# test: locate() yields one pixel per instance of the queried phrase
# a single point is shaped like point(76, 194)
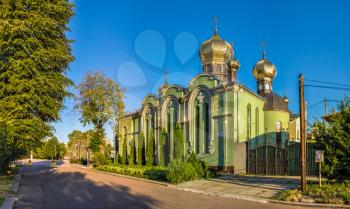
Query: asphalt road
point(69, 187)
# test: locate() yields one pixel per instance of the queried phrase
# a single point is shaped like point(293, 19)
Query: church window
point(278, 133)
point(206, 118)
point(125, 132)
point(197, 128)
point(256, 122)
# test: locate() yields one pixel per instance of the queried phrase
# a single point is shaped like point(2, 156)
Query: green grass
point(5, 183)
point(330, 192)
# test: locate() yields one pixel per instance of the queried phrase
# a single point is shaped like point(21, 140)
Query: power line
point(330, 87)
point(326, 82)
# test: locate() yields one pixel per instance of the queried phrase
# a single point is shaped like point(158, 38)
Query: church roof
point(275, 102)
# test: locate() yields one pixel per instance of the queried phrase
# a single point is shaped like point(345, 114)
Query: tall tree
point(125, 152)
point(150, 149)
point(333, 136)
point(78, 144)
point(140, 150)
point(162, 148)
point(34, 57)
point(132, 152)
point(178, 143)
point(100, 99)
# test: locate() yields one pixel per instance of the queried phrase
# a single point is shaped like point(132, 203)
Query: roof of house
point(275, 102)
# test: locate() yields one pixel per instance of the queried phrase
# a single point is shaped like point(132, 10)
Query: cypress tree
point(162, 147)
point(140, 149)
point(124, 153)
point(132, 152)
point(178, 143)
point(150, 149)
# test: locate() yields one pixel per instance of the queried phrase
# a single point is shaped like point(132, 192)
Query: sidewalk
point(251, 186)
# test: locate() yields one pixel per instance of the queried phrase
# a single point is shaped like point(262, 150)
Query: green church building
point(231, 127)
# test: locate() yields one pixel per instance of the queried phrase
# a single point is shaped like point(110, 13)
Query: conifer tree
point(178, 143)
point(34, 57)
point(150, 149)
point(162, 148)
point(140, 149)
point(124, 153)
point(132, 152)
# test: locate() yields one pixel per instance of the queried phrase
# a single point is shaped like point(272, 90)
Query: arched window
point(125, 132)
point(197, 128)
point(278, 133)
point(249, 121)
point(256, 122)
point(206, 128)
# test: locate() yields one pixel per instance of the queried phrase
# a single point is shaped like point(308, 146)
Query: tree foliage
point(78, 144)
point(150, 149)
point(333, 137)
point(34, 57)
point(140, 150)
point(51, 149)
point(132, 152)
point(178, 143)
point(124, 152)
point(162, 148)
point(100, 99)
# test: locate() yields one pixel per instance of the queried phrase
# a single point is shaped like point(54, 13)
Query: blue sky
point(134, 41)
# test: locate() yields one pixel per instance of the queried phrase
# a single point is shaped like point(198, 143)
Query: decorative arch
point(200, 120)
point(147, 120)
point(170, 116)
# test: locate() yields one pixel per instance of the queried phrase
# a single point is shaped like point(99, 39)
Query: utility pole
point(325, 106)
point(302, 132)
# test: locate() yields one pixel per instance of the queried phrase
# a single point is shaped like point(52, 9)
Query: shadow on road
point(51, 188)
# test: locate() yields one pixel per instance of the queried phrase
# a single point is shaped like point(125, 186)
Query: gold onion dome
point(215, 50)
point(264, 70)
point(233, 63)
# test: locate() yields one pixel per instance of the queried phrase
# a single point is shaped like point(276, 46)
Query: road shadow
point(49, 188)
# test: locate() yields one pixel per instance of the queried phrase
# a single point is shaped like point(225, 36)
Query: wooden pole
point(302, 132)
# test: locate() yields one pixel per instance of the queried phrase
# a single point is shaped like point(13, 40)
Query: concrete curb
point(124, 176)
point(9, 202)
point(17, 180)
point(11, 199)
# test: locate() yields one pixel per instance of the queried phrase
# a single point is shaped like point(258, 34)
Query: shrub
point(124, 152)
point(101, 159)
point(153, 173)
point(150, 149)
point(178, 143)
point(180, 171)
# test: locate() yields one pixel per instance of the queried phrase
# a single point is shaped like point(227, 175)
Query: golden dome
point(264, 70)
point(215, 50)
point(233, 63)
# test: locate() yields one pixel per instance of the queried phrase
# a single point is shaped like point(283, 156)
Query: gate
point(294, 159)
point(267, 159)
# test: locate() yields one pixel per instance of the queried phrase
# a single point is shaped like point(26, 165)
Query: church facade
point(223, 122)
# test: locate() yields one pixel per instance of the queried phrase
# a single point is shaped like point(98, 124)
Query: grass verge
point(330, 192)
point(5, 183)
